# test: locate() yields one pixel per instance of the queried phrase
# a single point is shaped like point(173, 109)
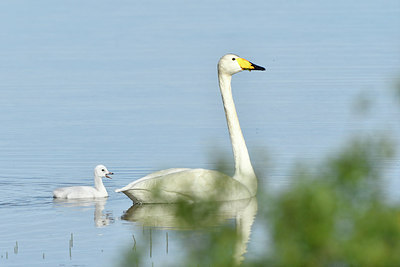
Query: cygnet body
point(76, 192)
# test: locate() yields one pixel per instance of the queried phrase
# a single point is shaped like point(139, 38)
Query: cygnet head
point(231, 64)
point(101, 171)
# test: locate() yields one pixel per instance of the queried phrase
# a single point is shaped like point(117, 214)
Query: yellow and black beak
point(247, 65)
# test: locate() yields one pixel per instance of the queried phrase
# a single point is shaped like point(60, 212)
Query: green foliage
point(215, 248)
point(303, 226)
point(375, 239)
point(337, 215)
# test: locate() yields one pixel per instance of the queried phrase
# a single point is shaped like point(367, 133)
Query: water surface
point(134, 86)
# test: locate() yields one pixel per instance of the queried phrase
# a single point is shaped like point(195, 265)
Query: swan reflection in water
point(168, 216)
point(101, 218)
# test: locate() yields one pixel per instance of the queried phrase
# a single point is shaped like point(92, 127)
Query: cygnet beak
point(110, 173)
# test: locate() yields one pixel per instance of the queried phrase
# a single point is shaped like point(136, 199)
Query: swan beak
point(110, 173)
point(247, 65)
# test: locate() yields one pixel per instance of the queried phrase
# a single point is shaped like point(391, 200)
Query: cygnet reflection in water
point(100, 217)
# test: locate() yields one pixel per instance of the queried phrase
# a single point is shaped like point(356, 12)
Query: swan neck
point(98, 183)
point(243, 169)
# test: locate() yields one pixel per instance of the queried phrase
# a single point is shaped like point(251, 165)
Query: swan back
point(192, 185)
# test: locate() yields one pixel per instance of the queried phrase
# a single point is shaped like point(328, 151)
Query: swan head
point(231, 64)
point(101, 171)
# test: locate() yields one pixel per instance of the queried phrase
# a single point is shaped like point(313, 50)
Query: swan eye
point(102, 170)
point(233, 59)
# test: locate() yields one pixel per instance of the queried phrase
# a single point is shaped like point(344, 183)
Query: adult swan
point(179, 184)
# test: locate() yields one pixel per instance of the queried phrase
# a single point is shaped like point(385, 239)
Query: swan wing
point(174, 185)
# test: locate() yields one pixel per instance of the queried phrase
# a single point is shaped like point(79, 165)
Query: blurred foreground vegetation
point(333, 214)
point(337, 214)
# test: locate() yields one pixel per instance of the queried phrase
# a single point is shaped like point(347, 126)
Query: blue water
point(133, 85)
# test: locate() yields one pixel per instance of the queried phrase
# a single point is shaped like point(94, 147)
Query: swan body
point(192, 185)
point(173, 185)
point(77, 192)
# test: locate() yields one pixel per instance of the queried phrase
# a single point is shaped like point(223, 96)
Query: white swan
point(173, 185)
point(75, 192)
